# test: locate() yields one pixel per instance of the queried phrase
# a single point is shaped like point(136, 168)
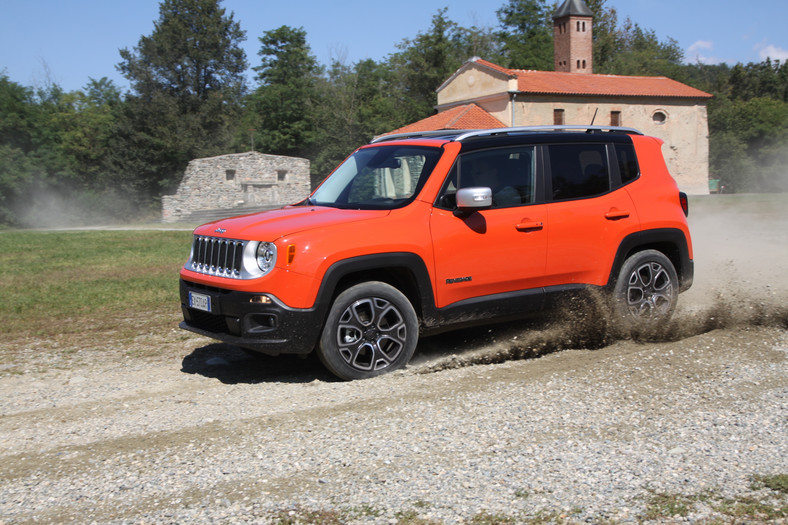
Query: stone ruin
point(238, 183)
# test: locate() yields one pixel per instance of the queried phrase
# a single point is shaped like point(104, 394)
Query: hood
point(273, 224)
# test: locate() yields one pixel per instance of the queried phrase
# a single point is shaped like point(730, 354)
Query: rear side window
point(578, 170)
point(627, 162)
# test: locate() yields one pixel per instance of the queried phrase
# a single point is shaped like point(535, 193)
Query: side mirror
point(469, 199)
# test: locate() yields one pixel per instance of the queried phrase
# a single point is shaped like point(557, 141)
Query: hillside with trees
point(100, 154)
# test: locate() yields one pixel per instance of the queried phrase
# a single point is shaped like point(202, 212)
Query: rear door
point(589, 213)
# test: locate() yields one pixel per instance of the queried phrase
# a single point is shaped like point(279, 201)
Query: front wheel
point(647, 290)
point(371, 329)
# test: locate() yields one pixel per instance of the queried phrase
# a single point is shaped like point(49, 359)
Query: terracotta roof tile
point(557, 83)
point(469, 116)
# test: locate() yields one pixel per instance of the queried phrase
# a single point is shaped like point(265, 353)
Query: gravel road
point(519, 423)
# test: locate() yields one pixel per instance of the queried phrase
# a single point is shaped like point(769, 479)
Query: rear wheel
point(647, 290)
point(371, 329)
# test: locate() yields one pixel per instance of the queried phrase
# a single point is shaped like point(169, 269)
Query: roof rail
point(458, 135)
point(417, 134)
point(523, 129)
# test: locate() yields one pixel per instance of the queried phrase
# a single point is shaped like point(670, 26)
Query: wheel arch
point(669, 241)
point(405, 271)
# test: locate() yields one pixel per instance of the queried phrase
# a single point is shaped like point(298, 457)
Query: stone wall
point(238, 180)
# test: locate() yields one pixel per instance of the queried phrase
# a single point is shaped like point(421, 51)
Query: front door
point(497, 250)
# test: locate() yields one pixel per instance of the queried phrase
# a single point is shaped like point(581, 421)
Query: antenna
point(590, 128)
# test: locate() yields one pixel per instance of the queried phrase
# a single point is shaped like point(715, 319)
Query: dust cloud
point(52, 208)
point(741, 280)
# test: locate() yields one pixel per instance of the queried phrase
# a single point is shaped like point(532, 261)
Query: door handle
point(615, 214)
point(529, 226)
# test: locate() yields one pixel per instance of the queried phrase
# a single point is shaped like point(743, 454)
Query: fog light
point(260, 299)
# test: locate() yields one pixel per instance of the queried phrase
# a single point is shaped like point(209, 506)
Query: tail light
point(684, 203)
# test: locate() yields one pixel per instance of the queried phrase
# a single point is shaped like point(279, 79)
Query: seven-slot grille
point(216, 256)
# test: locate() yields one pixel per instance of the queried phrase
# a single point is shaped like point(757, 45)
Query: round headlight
point(266, 256)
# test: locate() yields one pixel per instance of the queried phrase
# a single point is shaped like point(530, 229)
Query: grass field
point(73, 283)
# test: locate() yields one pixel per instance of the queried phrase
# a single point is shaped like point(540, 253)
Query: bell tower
point(572, 37)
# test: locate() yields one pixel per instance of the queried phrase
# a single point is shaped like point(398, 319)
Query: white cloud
point(773, 52)
point(699, 53)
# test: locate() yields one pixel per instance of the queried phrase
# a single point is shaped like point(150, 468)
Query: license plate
point(200, 301)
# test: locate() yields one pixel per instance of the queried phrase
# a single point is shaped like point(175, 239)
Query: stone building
point(573, 94)
point(231, 184)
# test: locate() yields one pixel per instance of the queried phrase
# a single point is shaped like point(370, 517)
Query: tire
point(646, 291)
point(371, 329)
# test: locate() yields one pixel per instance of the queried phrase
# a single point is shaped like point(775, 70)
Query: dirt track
point(202, 432)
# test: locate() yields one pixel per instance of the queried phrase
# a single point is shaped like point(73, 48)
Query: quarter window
point(627, 162)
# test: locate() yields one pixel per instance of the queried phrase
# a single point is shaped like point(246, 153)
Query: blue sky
point(70, 41)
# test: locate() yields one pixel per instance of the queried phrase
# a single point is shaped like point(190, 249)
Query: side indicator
point(291, 252)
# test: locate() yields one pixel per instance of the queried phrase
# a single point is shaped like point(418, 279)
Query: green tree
point(526, 34)
point(423, 64)
point(357, 104)
point(747, 150)
point(281, 109)
point(606, 38)
point(187, 80)
point(764, 79)
point(640, 52)
point(18, 121)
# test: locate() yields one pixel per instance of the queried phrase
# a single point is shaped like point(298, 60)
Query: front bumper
point(238, 318)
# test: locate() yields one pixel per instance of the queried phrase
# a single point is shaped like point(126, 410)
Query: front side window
point(578, 170)
point(508, 172)
point(381, 177)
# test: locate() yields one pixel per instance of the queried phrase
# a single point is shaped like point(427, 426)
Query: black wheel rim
point(371, 334)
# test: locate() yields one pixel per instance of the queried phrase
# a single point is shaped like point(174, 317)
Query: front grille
point(217, 256)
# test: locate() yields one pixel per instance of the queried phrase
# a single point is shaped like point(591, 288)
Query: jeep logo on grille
point(219, 230)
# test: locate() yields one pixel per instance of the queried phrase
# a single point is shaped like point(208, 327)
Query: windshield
point(382, 177)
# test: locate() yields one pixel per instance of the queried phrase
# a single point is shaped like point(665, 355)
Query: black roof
point(573, 8)
point(463, 135)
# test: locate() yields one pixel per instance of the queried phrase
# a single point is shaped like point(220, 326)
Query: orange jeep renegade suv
point(415, 234)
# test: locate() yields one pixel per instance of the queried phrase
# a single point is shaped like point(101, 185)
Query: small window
point(659, 117)
point(578, 26)
point(229, 175)
point(281, 175)
point(627, 162)
point(584, 27)
point(558, 117)
point(615, 118)
point(578, 170)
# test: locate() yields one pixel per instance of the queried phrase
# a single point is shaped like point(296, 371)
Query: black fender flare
point(391, 267)
point(670, 241)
